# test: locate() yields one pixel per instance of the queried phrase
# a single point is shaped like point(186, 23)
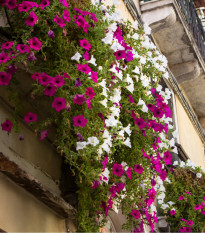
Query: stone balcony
point(180, 37)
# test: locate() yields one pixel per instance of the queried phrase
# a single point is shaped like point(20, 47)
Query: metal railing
point(194, 22)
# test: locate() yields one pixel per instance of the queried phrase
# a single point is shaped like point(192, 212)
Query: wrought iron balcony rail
point(193, 20)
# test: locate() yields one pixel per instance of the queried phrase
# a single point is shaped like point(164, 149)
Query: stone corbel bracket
point(33, 186)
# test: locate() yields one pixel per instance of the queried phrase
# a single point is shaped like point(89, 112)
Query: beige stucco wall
point(189, 139)
point(123, 9)
point(21, 212)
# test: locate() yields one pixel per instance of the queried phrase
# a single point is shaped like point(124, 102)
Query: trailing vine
point(100, 78)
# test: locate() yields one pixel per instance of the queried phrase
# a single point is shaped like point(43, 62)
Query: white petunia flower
point(127, 143)
point(135, 24)
point(93, 141)
point(198, 175)
point(104, 102)
point(76, 57)
point(171, 203)
point(136, 70)
point(81, 145)
point(128, 130)
point(92, 60)
point(147, 29)
point(111, 121)
point(103, 83)
point(106, 175)
point(135, 36)
point(164, 206)
point(175, 163)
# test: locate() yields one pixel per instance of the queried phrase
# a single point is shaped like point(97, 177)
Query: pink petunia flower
point(22, 48)
point(32, 19)
point(129, 173)
point(140, 123)
point(64, 3)
point(44, 4)
point(59, 104)
point(4, 58)
point(7, 126)
point(11, 4)
point(84, 68)
point(7, 45)
point(131, 99)
point(66, 16)
point(59, 21)
point(117, 170)
point(89, 104)
point(86, 56)
point(189, 223)
point(138, 168)
point(172, 212)
point(90, 92)
point(5, 78)
point(135, 213)
point(181, 198)
point(44, 79)
point(26, 6)
point(58, 81)
point(198, 207)
point(30, 117)
point(167, 158)
point(120, 54)
point(96, 184)
point(79, 99)
point(80, 121)
point(50, 90)
point(94, 76)
point(35, 43)
point(44, 134)
point(85, 44)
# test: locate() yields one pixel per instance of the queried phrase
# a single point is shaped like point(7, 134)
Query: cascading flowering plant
point(186, 190)
point(111, 115)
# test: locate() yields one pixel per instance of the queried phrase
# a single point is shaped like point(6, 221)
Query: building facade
point(38, 193)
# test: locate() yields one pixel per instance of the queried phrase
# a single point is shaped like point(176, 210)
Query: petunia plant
point(184, 205)
point(100, 77)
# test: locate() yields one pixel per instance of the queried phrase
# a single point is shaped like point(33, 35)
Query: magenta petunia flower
point(51, 34)
point(86, 56)
point(12, 69)
point(50, 90)
point(172, 212)
point(59, 21)
point(90, 92)
point(44, 4)
point(64, 3)
point(140, 123)
point(79, 99)
point(7, 45)
point(182, 229)
point(36, 76)
point(35, 43)
point(120, 187)
point(7, 126)
point(58, 81)
point(59, 104)
point(189, 223)
point(31, 57)
point(77, 82)
point(113, 191)
point(44, 79)
point(181, 198)
point(120, 54)
point(163, 175)
point(80, 121)
point(138, 168)
point(22, 48)
point(66, 16)
point(79, 20)
point(85, 44)
point(131, 99)
point(96, 184)
point(188, 192)
point(66, 76)
point(30, 117)
point(26, 6)
point(44, 134)
point(32, 19)
point(11, 4)
point(135, 214)
point(203, 212)
point(4, 58)
point(89, 104)
point(94, 76)
point(117, 170)
point(152, 194)
point(158, 112)
point(198, 207)
point(5, 78)
point(84, 68)
point(129, 173)
point(167, 158)
point(188, 229)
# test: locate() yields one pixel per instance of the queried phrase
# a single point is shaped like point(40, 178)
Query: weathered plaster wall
point(21, 212)
point(189, 139)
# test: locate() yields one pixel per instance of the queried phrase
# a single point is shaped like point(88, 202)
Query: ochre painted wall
point(189, 139)
point(21, 212)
